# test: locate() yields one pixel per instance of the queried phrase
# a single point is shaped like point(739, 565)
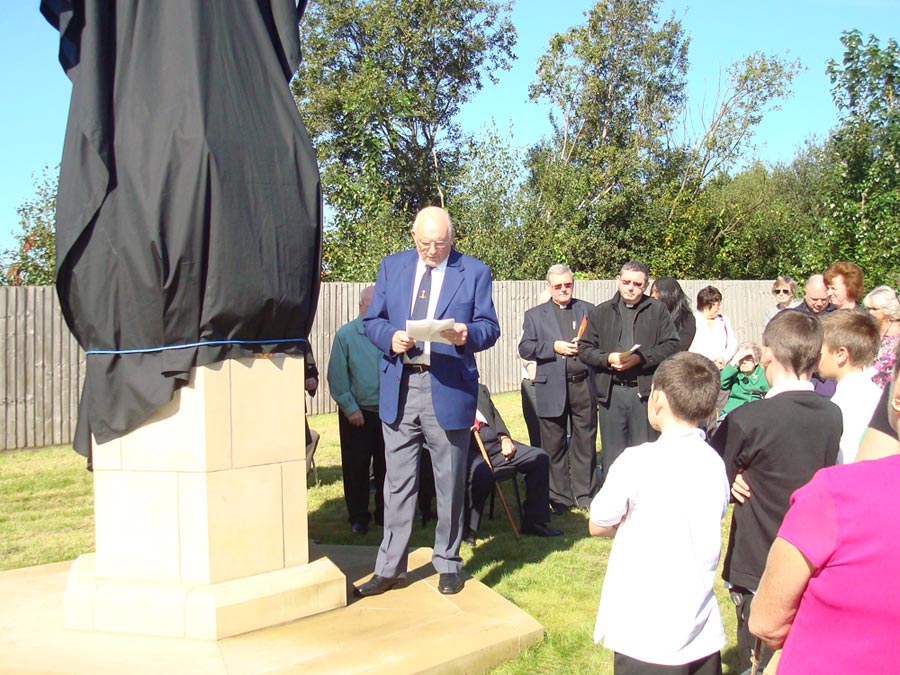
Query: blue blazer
point(466, 298)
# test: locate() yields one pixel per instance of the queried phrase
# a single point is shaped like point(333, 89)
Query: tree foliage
point(379, 87)
point(861, 219)
point(615, 86)
point(33, 260)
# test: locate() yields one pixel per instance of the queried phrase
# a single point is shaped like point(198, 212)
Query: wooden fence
point(42, 368)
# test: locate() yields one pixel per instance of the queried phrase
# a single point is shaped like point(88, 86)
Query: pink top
point(846, 522)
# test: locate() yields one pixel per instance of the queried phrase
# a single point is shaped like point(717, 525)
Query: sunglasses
point(559, 287)
point(636, 284)
point(781, 291)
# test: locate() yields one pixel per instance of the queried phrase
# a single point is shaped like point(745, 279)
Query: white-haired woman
point(883, 305)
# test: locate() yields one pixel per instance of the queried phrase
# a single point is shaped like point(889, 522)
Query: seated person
point(743, 378)
point(506, 457)
point(664, 502)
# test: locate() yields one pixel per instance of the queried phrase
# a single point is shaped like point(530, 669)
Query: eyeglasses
point(438, 245)
point(559, 287)
point(781, 291)
point(636, 284)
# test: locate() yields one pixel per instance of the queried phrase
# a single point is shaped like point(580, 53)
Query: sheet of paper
point(429, 329)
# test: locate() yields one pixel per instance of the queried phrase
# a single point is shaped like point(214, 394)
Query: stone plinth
point(201, 514)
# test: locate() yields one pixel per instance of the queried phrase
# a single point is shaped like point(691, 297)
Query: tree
point(379, 87)
point(620, 177)
point(616, 86)
point(861, 220)
point(33, 261)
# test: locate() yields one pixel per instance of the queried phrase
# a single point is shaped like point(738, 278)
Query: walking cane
point(487, 461)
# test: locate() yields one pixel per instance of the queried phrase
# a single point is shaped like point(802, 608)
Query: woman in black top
point(668, 291)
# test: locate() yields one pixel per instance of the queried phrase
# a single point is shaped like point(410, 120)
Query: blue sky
point(36, 91)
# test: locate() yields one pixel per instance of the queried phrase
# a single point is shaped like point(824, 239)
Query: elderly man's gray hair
point(559, 269)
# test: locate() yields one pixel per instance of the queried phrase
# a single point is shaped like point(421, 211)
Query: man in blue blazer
point(428, 390)
point(564, 391)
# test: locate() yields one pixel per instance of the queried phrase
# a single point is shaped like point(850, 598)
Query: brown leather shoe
point(378, 585)
point(450, 583)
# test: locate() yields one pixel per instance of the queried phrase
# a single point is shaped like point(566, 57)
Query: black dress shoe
point(450, 583)
point(541, 530)
point(359, 528)
point(378, 585)
point(558, 509)
point(470, 537)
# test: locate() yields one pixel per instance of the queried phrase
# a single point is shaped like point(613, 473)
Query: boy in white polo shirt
point(664, 502)
point(849, 347)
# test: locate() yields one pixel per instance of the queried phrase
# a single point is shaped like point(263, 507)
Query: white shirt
point(790, 385)
point(857, 396)
point(437, 281)
point(657, 603)
point(714, 342)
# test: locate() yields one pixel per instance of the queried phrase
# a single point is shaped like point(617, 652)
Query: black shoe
point(450, 583)
point(378, 585)
point(541, 530)
point(470, 538)
point(558, 509)
point(359, 528)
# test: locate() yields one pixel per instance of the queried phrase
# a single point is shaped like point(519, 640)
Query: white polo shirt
point(657, 604)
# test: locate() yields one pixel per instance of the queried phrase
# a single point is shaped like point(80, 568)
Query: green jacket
point(743, 388)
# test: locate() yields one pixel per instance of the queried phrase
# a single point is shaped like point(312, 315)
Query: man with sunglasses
point(626, 338)
point(563, 388)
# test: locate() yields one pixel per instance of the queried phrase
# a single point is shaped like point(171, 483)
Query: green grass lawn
point(46, 515)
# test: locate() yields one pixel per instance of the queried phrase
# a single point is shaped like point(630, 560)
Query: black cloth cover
point(189, 208)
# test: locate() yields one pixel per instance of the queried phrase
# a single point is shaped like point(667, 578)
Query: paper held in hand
point(629, 352)
point(424, 330)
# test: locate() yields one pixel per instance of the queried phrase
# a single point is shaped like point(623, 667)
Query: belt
point(577, 377)
point(417, 367)
point(625, 383)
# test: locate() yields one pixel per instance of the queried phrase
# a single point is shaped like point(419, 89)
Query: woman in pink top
point(830, 594)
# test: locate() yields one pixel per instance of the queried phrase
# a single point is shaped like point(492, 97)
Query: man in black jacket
point(626, 338)
point(506, 457)
point(563, 389)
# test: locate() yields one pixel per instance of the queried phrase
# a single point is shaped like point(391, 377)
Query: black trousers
point(573, 464)
point(708, 665)
point(529, 412)
point(361, 446)
point(533, 463)
point(623, 423)
point(743, 599)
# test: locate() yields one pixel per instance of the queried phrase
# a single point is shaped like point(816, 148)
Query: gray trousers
point(416, 426)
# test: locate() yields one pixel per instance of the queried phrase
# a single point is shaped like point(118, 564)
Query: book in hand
point(630, 351)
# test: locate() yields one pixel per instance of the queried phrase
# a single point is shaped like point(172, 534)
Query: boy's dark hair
point(691, 383)
point(795, 339)
point(854, 331)
point(707, 297)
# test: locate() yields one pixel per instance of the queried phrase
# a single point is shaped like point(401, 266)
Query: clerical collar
point(566, 306)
